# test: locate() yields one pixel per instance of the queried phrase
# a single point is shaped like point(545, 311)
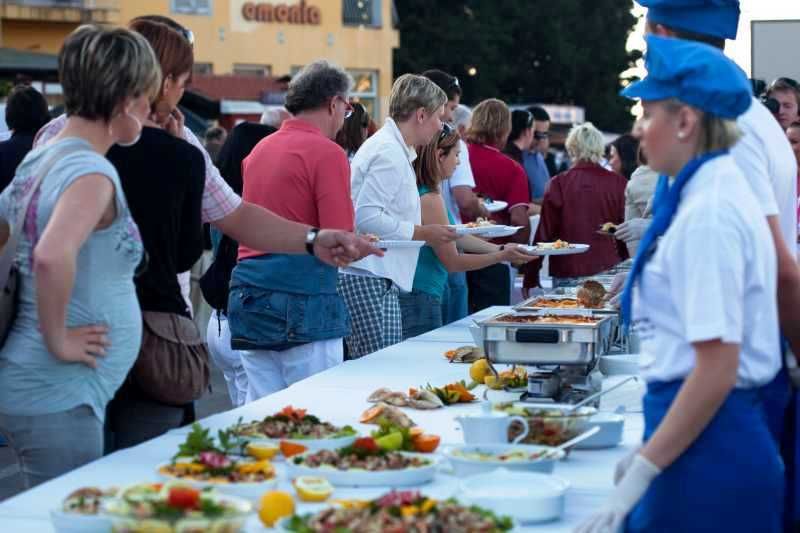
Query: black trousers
point(489, 286)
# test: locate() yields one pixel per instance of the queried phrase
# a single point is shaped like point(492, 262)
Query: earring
point(681, 135)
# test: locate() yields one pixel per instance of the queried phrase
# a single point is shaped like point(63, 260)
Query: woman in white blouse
point(705, 282)
point(386, 202)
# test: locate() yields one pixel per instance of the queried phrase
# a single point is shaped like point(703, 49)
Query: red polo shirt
point(499, 177)
point(301, 175)
point(575, 205)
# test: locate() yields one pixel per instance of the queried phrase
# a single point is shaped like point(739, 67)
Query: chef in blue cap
point(702, 297)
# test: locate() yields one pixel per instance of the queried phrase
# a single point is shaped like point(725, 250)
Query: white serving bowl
point(610, 434)
point(356, 477)
point(249, 491)
point(79, 523)
point(525, 496)
point(464, 466)
point(620, 364)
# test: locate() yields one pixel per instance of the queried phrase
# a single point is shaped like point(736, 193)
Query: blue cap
point(694, 73)
point(718, 18)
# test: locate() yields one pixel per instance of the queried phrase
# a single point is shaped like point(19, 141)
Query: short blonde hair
point(411, 92)
point(585, 143)
point(491, 123)
point(99, 68)
point(716, 133)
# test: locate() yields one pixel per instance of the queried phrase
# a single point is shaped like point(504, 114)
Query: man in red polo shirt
point(284, 311)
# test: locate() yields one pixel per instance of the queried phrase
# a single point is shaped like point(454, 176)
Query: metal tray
point(546, 344)
point(527, 307)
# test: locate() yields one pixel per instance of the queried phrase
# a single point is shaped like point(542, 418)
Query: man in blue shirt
point(535, 166)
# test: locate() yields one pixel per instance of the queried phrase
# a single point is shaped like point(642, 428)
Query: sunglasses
point(539, 135)
point(188, 35)
point(447, 130)
point(788, 81)
point(455, 83)
point(529, 120)
point(348, 112)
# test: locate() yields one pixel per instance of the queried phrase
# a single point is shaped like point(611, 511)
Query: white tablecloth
point(339, 395)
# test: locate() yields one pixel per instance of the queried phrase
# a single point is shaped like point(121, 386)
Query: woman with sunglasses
point(355, 130)
point(421, 308)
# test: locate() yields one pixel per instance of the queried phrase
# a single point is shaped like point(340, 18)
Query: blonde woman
point(386, 202)
point(577, 203)
point(78, 326)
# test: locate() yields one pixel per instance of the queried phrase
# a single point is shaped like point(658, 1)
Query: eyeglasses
point(348, 109)
point(447, 130)
point(539, 135)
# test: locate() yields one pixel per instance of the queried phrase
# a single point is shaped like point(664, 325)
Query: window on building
point(191, 7)
point(365, 90)
point(204, 69)
point(362, 13)
point(248, 69)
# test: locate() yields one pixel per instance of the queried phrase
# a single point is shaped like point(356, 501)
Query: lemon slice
point(313, 489)
point(262, 450)
point(275, 505)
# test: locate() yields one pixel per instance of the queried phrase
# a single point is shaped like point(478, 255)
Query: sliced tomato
point(184, 498)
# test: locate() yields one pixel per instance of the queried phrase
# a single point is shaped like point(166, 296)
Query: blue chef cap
point(718, 18)
point(694, 73)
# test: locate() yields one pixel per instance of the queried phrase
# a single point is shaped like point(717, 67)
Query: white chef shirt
point(462, 177)
point(713, 276)
point(386, 202)
point(765, 157)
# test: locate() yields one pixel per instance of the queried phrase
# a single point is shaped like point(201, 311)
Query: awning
point(34, 64)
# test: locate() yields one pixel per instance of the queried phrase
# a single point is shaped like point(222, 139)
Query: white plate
point(495, 205)
point(619, 365)
point(250, 491)
point(463, 466)
point(502, 231)
point(572, 250)
point(312, 444)
point(524, 496)
point(79, 523)
point(388, 245)
point(363, 478)
point(463, 229)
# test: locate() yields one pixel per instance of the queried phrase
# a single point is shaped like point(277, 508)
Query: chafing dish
point(546, 338)
point(558, 302)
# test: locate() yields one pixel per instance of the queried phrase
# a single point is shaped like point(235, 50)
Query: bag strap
point(10, 249)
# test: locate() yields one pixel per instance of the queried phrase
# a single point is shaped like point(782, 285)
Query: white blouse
point(713, 276)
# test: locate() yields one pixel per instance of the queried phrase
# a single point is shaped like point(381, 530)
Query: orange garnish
point(426, 443)
point(291, 412)
point(371, 414)
point(289, 449)
point(415, 432)
point(463, 394)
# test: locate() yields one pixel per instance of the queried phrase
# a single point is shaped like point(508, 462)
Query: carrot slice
point(289, 449)
point(371, 414)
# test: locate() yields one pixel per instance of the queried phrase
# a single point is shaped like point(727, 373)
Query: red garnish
point(291, 412)
point(366, 444)
point(183, 498)
point(214, 460)
point(399, 498)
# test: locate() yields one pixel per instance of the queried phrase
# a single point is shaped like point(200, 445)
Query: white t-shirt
point(766, 159)
point(713, 276)
point(462, 177)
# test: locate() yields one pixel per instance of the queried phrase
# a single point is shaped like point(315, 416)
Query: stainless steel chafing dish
point(536, 344)
point(530, 305)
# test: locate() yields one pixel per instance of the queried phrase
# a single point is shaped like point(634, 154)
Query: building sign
point(299, 13)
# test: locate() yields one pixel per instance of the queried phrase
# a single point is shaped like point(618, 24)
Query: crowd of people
point(103, 353)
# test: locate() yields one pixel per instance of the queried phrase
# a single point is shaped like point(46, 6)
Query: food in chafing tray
point(554, 303)
point(547, 319)
point(401, 511)
point(591, 294)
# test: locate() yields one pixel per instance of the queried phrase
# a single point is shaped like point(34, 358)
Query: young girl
point(421, 308)
point(706, 311)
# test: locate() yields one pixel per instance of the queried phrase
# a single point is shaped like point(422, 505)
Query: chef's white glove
point(625, 464)
point(632, 230)
point(629, 491)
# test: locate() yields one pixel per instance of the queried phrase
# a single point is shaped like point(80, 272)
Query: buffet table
point(339, 395)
